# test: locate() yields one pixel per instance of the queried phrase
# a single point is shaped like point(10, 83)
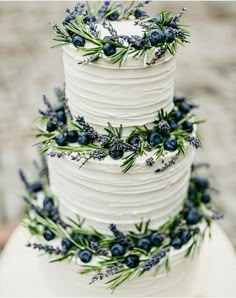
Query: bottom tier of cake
point(181, 274)
point(23, 274)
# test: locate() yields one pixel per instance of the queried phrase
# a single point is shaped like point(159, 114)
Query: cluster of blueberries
point(183, 109)
point(153, 38)
point(68, 136)
point(201, 186)
point(160, 134)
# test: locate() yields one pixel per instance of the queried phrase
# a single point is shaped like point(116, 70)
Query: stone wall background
point(29, 68)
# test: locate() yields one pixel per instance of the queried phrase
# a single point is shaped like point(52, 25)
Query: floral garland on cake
point(65, 136)
point(118, 256)
point(160, 34)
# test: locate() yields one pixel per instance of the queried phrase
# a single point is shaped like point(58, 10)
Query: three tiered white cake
point(120, 156)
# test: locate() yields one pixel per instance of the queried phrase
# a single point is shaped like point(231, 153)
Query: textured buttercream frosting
point(129, 95)
point(101, 194)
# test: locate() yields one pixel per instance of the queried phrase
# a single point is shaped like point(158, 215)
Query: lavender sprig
point(108, 272)
point(87, 127)
point(113, 32)
point(169, 163)
point(99, 251)
point(103, 9)
point(159, 52)
point(47, 248)
point(194, 142)
point(121, 237)
point(155, 259)
point(177, 17)
point(93, 27)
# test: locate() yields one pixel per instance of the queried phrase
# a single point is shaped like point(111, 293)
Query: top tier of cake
point(129, 95)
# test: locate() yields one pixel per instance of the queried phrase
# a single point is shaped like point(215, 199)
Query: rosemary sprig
point(114, 132)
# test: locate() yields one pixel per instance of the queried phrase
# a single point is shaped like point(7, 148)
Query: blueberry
point(61, 116)
point(114, 16)
point(117, 250)
point(132, 261)
point(206, 198)
point(156, 36)
point(179, 99)
point(177, 116)
point(61, 140)
point(115, 152)
point(48, 235)
point(170, 36)
point(134, 140)
point(51, 126)
point(187, 126)
point(173, 125)
point(66, 244)
point(201, 183)
point(155, 138)
point(35, 187)
point(172, 24)
point(60, 108)
point(72, 136)
point(84, 138)
point(109, 49)
point(67, 20)
point(156, 239)
point(89, 18)
point(78, 41)
point(144, 243)
point(85, 255)
point(170, 144)
point(48, 204)
point(185, 236)
point(138, 13)
point(176, 243)
point(192, 217)
point(184, 107)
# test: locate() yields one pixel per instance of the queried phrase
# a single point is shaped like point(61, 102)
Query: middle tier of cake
point(101, 194)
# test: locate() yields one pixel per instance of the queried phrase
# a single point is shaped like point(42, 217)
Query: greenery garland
point(161, 33)
point(61, 134)
point(119, 256)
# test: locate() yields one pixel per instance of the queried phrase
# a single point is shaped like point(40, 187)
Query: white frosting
point(131, 95)
point(101, 194)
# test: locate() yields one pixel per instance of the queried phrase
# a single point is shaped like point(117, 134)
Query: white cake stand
point(20, 275)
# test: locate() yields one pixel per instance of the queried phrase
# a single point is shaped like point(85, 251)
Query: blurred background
point(206, 71)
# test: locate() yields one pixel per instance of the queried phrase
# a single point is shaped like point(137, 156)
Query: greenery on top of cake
point(62, 135)
point(116, 256)
point(160, 33)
